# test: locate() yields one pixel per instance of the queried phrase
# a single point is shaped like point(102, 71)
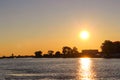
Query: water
point(59, 69)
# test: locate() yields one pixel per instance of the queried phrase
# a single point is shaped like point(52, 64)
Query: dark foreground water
point(59, 69)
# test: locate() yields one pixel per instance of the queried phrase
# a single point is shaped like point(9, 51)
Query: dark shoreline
point(60, 57)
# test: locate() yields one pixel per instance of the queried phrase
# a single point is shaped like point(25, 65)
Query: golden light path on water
point(85, 70)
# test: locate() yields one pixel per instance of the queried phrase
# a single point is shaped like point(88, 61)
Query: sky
point(30, 25)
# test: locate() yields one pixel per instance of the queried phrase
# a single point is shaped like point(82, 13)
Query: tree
point(110, 49)
point(75, 52)
point(50, 53)
point(38, 54)
point(116, 46)
point(66, 51)
point(58, 54)
point(107, 47)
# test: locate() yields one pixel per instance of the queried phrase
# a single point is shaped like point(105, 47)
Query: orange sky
point(27, 26)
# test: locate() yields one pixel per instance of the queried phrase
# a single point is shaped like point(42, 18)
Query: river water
point(59, 69)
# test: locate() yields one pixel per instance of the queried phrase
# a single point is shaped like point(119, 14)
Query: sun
point(84, 35)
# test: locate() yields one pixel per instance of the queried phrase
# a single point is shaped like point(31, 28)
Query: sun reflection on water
point(85, 71)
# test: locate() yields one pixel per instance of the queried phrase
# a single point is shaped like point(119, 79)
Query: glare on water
point(85, 70)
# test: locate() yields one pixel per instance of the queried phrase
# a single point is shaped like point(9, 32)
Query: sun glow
point(84, 35)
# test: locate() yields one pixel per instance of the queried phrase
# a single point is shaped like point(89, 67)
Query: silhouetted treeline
point(68, 52)
point(109, 50)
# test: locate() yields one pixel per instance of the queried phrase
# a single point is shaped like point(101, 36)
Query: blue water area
point(59, 69)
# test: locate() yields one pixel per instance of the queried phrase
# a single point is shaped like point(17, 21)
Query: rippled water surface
point(59, 69)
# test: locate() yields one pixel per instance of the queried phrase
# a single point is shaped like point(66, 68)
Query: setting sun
point(84, 35)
